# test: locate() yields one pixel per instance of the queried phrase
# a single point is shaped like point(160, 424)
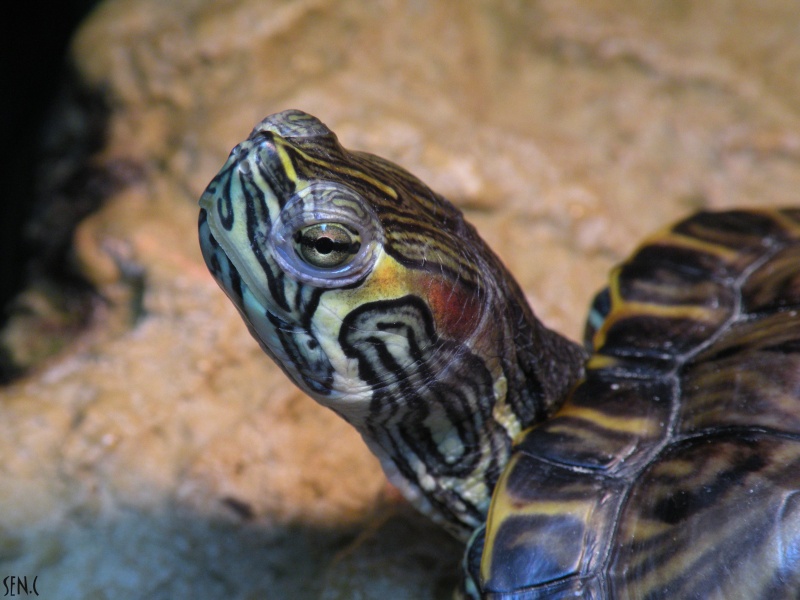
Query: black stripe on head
point(431, 401)
point(224, 200)
point(304, 355)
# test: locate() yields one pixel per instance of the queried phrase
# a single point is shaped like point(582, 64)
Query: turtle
point(660, 458)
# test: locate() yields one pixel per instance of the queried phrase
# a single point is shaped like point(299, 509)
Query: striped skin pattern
point(673, 470)
point(378, 300)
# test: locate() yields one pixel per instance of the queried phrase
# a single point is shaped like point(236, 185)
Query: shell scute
point(749, 378)
point(775, 285)
point(685, 431)
point(603, 436)
point(726, 499)
point(570, 522)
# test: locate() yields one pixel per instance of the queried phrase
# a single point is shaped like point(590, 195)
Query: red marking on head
point(455, 310)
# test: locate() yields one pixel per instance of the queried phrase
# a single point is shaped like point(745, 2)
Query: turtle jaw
point(295, 349)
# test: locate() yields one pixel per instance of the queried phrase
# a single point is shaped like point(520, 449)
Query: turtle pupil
point(323, 245)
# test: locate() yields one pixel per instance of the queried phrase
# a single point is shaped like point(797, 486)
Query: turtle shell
point(673, 469)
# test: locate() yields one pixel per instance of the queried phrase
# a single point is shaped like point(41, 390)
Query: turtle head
point(377, 299)
point(305, 237)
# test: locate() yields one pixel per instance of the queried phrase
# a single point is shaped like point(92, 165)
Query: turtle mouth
point(256, 308)
point(225, 266)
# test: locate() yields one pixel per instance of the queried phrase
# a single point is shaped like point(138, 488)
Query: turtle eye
point(326, 235)
point(326, 245)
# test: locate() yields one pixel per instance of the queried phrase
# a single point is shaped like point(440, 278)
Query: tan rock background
point(160, 454)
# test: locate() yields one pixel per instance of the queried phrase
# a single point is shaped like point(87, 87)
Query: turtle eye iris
point(326, 245)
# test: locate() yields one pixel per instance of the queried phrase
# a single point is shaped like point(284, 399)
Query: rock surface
point(160, 454)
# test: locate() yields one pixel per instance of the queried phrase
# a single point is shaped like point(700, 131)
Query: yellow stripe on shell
point(503, 507)
point(790, 226)
point(598, 362)
point(689, 242)
point(661, 311)
point(622, 309)
point(635, 426)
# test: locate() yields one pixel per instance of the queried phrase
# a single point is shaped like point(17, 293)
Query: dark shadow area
point(43, 144)
point(171, 552)
point(32, 66)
